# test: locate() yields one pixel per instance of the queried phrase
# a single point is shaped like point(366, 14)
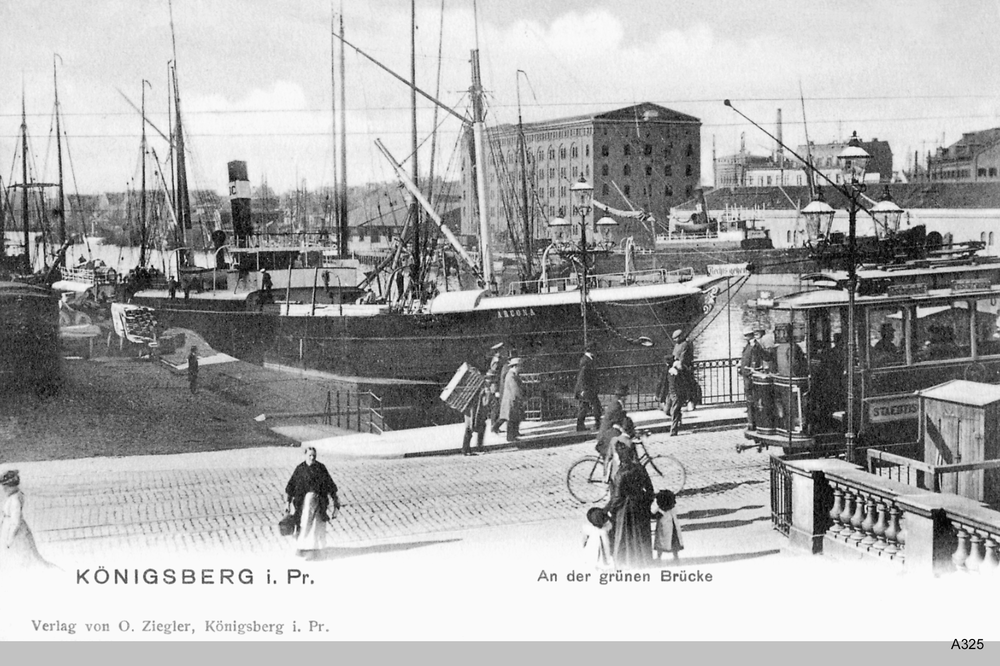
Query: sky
point(255, 76)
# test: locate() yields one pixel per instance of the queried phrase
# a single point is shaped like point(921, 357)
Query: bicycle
point(588, 484)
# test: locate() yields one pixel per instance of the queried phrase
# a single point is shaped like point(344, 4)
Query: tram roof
point(823, 298)
point(911, 271)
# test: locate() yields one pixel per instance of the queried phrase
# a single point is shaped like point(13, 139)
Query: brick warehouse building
point(650, 153)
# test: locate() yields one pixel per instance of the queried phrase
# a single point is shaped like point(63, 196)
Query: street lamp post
point(854, 162)
point(580, 200)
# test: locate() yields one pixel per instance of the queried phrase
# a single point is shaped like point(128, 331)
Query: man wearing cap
point(751, 360)
point(512, 400)
point(493, 386)
point(586, 392)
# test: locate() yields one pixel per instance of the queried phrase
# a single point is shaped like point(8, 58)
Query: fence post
point(357, 399)
point(339, 413)
point(328, 418)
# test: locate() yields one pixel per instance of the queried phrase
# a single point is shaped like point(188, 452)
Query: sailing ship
point(422, 335)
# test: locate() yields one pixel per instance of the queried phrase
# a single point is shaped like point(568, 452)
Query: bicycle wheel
point(667, 472)
point(585, 480)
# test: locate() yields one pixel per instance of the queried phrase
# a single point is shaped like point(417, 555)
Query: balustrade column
point(975, 559)
point(961, 549)
point(991, 560)
point(880, 527)
point(868, 524)
point(901, 538)
point(892, 532)
point(838, 508)
point(845, 516)
point(857, 519)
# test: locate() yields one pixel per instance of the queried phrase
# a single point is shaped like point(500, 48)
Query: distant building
point(649, 153)
point(975, 157)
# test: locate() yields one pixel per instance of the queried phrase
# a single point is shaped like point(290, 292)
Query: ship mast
point(415, 277)
point(62, 195)
point(524, 181)
point(24, 184)
point(342, 185)
point(142, 195)
point(478, 135)
point(183, 201)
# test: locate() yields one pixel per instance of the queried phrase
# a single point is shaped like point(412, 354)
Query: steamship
point(313, 319)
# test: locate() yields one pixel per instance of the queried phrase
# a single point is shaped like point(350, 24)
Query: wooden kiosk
point(960, 424)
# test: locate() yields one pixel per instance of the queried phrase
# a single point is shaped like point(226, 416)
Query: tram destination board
point(970, 284)
point(912, 289)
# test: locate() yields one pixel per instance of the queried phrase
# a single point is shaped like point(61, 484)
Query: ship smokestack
point(779, 155)
point(239, 201)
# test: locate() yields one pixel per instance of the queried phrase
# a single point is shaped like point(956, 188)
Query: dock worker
point(586, 392)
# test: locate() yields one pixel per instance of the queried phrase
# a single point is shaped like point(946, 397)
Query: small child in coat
point(667, 537)
point(597, 539)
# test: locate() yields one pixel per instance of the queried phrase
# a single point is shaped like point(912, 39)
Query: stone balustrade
point(837, 509)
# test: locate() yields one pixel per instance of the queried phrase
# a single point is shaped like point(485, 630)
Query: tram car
point(30, 357)
point(916, 326)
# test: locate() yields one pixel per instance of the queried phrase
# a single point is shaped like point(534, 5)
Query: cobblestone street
point(231, 500)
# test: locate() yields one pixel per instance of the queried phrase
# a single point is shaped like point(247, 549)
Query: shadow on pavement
point(698, 514)
point(722, 524)
point(337, 553)
point(717, 488)
point(716, 559)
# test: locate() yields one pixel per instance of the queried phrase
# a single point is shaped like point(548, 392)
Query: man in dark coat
point(475, 420)
point(751, 360)
point(586, 392)
point(193, 370)
point(494, 382)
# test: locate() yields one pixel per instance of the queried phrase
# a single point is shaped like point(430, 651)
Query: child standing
point(667, 537)
point(597, 539)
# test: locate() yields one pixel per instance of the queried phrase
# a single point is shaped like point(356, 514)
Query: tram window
point(942, 332)
point(988, 327)
point(886, 340)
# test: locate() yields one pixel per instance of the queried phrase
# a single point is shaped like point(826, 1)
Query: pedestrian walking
point(586, 392)
point(670, 396)
point(614, 416)
point(512, 400)
point(193, 370)
point(751, 360)
point(597, 540)
point(475, 421)
point(667, 536)
point(631, 499)
point(17, 543)
point(309, 493)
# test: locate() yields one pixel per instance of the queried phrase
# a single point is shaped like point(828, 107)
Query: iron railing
point(550, 394)
point(781, 496)
point(365, 409)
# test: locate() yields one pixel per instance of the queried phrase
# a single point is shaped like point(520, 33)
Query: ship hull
point(29, 336)
point(548, 336)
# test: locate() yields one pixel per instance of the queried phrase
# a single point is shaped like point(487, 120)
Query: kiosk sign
point(893, 408)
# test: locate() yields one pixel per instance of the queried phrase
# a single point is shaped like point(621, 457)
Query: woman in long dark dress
point(309, 492)
point(629, 507)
